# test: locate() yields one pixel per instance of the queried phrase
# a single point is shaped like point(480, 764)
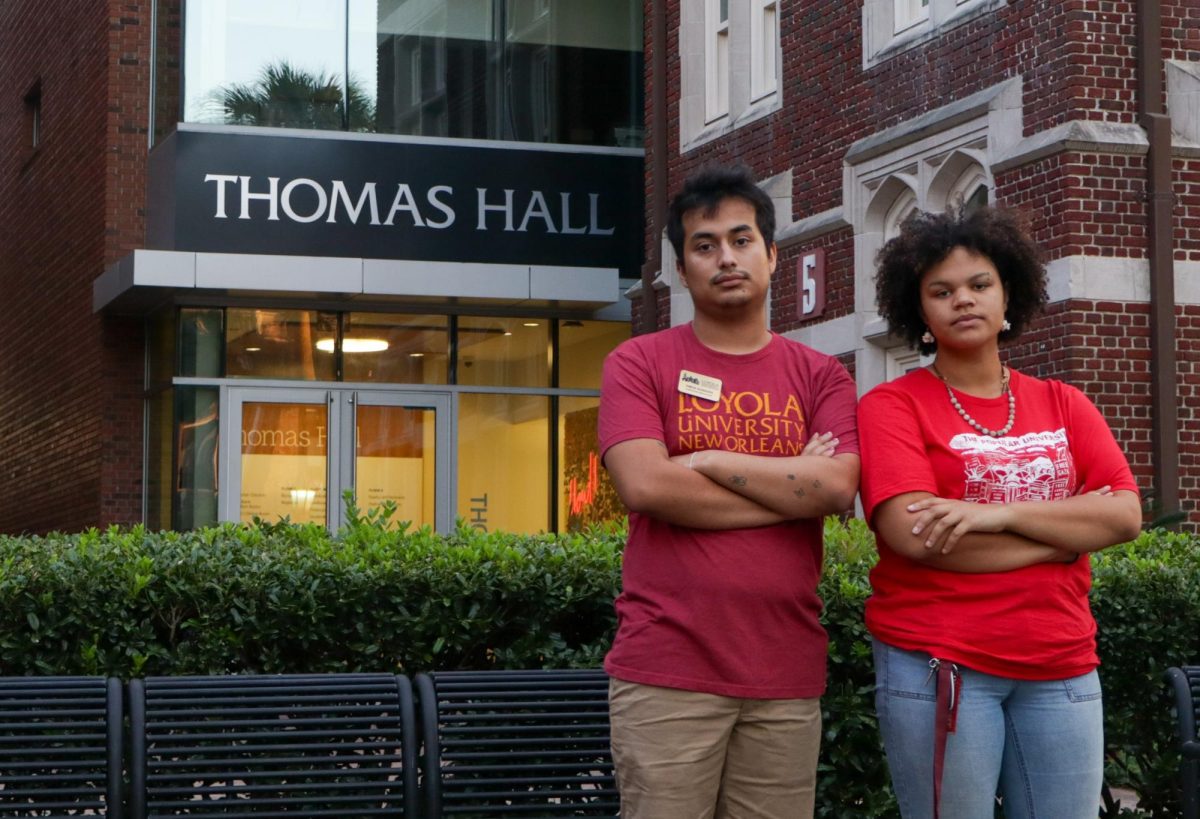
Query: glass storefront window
point(281, 344)
point(394, 454)
point(276, 63)
point(582, 346)
point(527, 460)
point(586, 496)
point(503, 352)
point(195, 457)
point(285, 448)
point(396, 349)
point(504, 462)
point(526, 70)
point(200, 342)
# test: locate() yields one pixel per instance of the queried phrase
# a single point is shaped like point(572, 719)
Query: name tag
point(701, 386)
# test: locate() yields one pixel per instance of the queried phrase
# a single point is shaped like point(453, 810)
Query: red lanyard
point(949, 682)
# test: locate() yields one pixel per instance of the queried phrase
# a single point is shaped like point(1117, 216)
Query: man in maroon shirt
point(728, 444)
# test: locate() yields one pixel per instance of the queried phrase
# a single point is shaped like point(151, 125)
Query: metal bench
point(60, 746)
point(533, 743)
point(1185, 685)
point(258, 746)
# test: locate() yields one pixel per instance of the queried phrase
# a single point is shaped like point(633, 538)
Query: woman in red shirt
point(986, 488)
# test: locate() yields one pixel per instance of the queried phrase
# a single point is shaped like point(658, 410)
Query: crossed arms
point(996, 537)
point(715, 489)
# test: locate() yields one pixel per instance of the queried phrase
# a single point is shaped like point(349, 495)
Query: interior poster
point(392, 450)
point(284, 460)
point(590, 495)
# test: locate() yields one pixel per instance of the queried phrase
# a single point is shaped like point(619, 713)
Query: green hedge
point(278, 599)
point(283, 598)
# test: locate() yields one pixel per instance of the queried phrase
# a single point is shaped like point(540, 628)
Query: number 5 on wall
point(810, 284)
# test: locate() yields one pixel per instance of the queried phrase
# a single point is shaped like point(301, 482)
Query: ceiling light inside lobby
point(354, 345)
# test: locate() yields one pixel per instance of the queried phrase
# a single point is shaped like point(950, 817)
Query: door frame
point(341, 404)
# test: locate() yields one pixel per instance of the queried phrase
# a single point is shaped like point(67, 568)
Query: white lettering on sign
point(306, 200)
point(341, 195)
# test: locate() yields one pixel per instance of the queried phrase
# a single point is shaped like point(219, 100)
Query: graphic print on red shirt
point(1034, 466)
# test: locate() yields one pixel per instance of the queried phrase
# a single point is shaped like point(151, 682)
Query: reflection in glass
point(509, 352)
point(200, 337)
point(504, 462)
point(278, 63)
point(582, 346)
point(526, 70)
point(512, 70)
point(394, 452)
point(280, 344)
point(586, 496)
point(396, 349)
point(196, 439)
point(284, 449)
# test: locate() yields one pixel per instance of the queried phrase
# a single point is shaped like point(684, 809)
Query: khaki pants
point(687, 755)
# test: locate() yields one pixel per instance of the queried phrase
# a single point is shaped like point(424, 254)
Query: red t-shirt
point(730, 612)
point(1032, 623)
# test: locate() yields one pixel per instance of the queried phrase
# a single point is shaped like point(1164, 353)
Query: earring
point(1005, 326)
point(927, 337)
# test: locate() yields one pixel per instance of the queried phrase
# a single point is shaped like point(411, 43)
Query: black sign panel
point(395, 199)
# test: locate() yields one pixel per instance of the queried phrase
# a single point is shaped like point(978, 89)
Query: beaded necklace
point(1004, 390)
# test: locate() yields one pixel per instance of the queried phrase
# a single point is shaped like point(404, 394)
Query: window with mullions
point(730, 66)
point(527, 398)
point(716, 59)
point(764, 47)
point(392, 348)
point(525, 70)
point(909, 13)
point(891, 27)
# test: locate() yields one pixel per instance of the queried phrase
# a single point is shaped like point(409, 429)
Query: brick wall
point(1082, 204)
point(70, 382)
point(126, 146)
point(1185, 184)
point(839, 280)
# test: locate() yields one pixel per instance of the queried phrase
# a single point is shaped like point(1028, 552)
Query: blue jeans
point(1039, 744)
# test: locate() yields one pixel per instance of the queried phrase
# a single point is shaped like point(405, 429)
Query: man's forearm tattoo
point(737, 480)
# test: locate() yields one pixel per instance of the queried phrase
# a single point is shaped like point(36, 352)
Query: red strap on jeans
point(948, 682)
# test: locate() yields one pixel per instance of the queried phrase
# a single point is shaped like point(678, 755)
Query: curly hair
point(706, 189)
point(927, 238)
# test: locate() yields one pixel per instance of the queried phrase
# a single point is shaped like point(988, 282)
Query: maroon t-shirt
point(1032, 623)
point(731, 612)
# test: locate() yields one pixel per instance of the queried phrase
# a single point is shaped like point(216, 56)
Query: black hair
point(706, 189)
point(928, 238)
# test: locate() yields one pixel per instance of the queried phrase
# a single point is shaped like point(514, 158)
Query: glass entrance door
point(293, 452)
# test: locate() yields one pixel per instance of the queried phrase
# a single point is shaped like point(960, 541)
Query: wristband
point(691, 460)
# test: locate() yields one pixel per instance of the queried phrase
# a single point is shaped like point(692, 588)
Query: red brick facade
point(1077, 62)
point(70, 381)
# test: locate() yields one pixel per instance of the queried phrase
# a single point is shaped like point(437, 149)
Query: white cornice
point(1095, 278)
